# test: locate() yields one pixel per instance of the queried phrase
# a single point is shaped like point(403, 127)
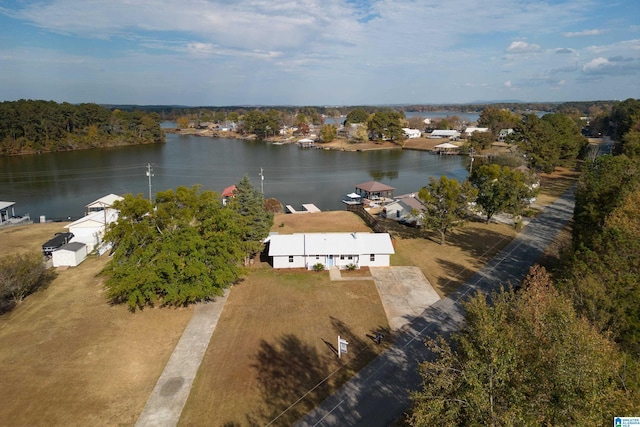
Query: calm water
point(59, 185)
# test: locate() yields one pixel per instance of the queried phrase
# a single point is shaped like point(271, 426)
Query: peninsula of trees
point(30, 127)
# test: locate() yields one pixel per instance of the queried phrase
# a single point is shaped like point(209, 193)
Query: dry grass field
point(276, 341)
point(69, 358)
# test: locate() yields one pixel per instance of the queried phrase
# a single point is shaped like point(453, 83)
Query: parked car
point(53, 244)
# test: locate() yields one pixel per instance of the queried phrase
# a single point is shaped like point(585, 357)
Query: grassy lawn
point(69, 358)
point(276, 341)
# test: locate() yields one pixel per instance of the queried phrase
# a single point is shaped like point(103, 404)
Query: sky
point(318, 52)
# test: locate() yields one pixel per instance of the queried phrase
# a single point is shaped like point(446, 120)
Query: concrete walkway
point(172, 389)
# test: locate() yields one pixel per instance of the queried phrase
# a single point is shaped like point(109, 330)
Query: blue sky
point(318, 52)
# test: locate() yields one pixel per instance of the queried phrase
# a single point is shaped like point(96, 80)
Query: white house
point(69, 255)
point(404, 208)
point(444, 133)
point(471, 129)
point(504, 133)
point(304, 250)
point(90, 228)
point(412, 133)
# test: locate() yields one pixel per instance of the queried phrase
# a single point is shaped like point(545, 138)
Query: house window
point(372, 257)
point(398, 214)
point(341, 257)
point(317, 256)
point(350, 257)
point(290, 258)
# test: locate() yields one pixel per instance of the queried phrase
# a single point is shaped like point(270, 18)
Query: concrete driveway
point(405, 293)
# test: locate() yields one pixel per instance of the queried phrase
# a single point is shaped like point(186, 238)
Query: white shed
point(69, 255)
point(304, 250)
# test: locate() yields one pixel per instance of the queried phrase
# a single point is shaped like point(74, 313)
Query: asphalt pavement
point(379, 394)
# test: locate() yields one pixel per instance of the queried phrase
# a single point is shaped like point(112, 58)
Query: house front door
point(330, 261)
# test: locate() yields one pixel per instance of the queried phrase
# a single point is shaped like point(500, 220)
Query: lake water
point(59, 185)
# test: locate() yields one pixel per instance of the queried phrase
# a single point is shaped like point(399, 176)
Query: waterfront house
point(227, 193)
point(471, 129)
point(406, 208)
point(412, 133)
point(305, 250)
point(503, 134)
point(445, 133)
point(90, 228)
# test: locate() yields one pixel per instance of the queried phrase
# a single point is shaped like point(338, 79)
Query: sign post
point(342, 346)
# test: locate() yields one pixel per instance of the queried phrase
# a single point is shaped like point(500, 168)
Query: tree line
point(564, 349)
point(28, 127)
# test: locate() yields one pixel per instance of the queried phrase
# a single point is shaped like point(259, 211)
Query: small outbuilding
point(69, 255)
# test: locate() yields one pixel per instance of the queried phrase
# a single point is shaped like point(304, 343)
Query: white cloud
point(508, 84)
point(522, 47)
point(612, 66)
point(583, 33)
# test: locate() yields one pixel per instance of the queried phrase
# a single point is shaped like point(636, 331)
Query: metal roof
point(373, 186)
point(330, 244)
point(5, 205)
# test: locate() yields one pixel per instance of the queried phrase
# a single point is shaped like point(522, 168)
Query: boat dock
point(308, 208)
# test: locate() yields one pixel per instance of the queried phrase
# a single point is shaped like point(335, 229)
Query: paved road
point(379, 394)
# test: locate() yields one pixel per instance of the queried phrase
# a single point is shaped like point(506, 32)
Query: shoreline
point(339, 144)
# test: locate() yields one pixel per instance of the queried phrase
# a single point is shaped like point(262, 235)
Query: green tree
point(361, 133)
point(550, 141)
point(357, 115)
point(328, 133)
point(604, 183)
point(496, 119)
point(386, 125)
point(481, 140)
point(447, 203)
point(184, 249)
point(603, 278)
point(254, 220)
point(182, 122)
point(631, 142)
point(527, 359)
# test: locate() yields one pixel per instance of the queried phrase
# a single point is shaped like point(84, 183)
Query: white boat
point(352, 199)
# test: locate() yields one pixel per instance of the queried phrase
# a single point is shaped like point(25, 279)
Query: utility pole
point(262, 182)
point(150, 174)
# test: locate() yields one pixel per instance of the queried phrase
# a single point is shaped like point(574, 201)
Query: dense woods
point(28, 127)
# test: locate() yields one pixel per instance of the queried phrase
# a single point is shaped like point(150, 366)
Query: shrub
point(351, 267)
point(318, 267)
point(21, 275)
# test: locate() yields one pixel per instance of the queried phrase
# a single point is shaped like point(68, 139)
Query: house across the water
point(305, 250)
